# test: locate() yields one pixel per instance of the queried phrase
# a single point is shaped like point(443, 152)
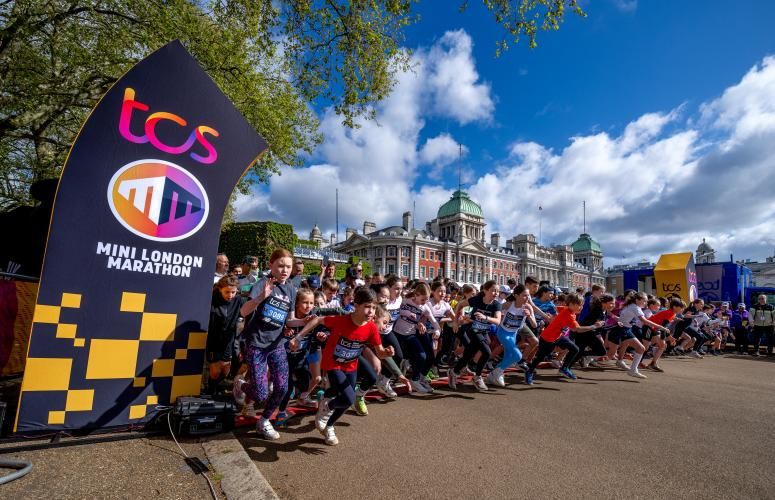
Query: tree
point(272, 59)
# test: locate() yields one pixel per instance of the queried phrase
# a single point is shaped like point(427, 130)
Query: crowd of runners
point(325, 344)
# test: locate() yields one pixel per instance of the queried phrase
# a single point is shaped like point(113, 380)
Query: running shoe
point(417, 386)
point(239, 394)
point(427, 385)
point(452, 379)
point(636, 374)
point(585, 360)
point(360, 406)
point(679, 349)
point(556, 363)
point(567, 373)
point(324, 413)
point(305, 401)
point(330, 435)
point(656, 368)
point(695, 354)
point(496, 378)
point(523, 366)
point(281, 420)
point(479, 384)
point(383, 386)
point(467, 371)
point(264, 427)
point(405, 365)
point(529, 376)
point(621, 364)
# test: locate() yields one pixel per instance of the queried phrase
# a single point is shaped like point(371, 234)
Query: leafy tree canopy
point(272, 58)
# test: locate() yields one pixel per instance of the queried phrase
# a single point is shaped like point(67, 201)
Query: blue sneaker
point(565, 372)
point(529, 377)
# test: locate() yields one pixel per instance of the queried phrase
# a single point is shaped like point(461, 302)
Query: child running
point(516, 313)
point(485, 311)
point(272, 303)
point(415, 337)
point(556, 334)
point(350, 333)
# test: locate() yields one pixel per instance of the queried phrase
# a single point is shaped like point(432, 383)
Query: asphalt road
point(704, 429)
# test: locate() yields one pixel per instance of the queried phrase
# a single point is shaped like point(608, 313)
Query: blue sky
point(643, 108)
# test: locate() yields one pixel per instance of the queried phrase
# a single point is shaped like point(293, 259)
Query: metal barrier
point(319, 254)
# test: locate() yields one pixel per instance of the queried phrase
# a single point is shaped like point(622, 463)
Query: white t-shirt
point(393, 307)
point(513, 318)
point(631, 315)
point(410, 315)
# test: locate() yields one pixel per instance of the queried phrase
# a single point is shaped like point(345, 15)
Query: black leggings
point(390, 339)
point(367, 377)
point(477, 342)
point(587, 340)
point(447, 344)
point(545, 348)
point(298, 377)
point(342, 389)
point(741, 339)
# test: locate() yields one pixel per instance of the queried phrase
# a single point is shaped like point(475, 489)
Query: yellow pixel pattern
point(111, 359)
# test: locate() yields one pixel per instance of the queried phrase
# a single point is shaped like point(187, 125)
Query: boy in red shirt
point(556, 334)
point(350, 333)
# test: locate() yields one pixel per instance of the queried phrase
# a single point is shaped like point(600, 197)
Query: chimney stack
point(369, 227)
point(349, 232)
point(408, 221)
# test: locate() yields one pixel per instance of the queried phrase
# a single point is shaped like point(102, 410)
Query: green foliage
point(255, 238)
point(525, 17)
point(307, 243)
point(272, 59)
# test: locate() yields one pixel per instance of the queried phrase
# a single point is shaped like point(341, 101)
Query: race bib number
point(480, 326)
point(275, 311)
point(513, 321)
point(347, 350)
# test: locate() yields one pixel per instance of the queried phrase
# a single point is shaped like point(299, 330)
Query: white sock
point(636, 361)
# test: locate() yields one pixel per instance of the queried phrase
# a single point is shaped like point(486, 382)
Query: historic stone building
point(454, 245)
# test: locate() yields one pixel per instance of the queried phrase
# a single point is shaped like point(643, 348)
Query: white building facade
point(453, 246)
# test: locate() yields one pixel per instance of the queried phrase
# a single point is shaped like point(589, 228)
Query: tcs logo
point(158, 200)
point(196, 136)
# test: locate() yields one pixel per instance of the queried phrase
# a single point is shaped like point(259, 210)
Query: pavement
point(138, 468)
point(702, 430)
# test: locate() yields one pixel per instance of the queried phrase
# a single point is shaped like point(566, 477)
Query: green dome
point(585, 243)
point(460, 203)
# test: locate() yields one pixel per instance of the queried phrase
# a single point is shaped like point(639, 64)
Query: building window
point(453, 275)
point(422, 253)
point(501, 264)
point(430, 272)
point(378, 251)
point(463, 259)
point(391, 269)
point(478, 277)
point(405, 251)
point(422, 271)
point(405, 269)
point(471, 276)
point(391, 251)
point(503, 280)
point(453, 257)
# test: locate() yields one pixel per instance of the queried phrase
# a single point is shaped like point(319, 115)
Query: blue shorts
point(313, 357)
point(619, 335)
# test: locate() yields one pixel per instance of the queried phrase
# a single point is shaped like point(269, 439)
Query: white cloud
point(664, 182)
point(650, 190)
point(452, 79)
point(375, 166)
